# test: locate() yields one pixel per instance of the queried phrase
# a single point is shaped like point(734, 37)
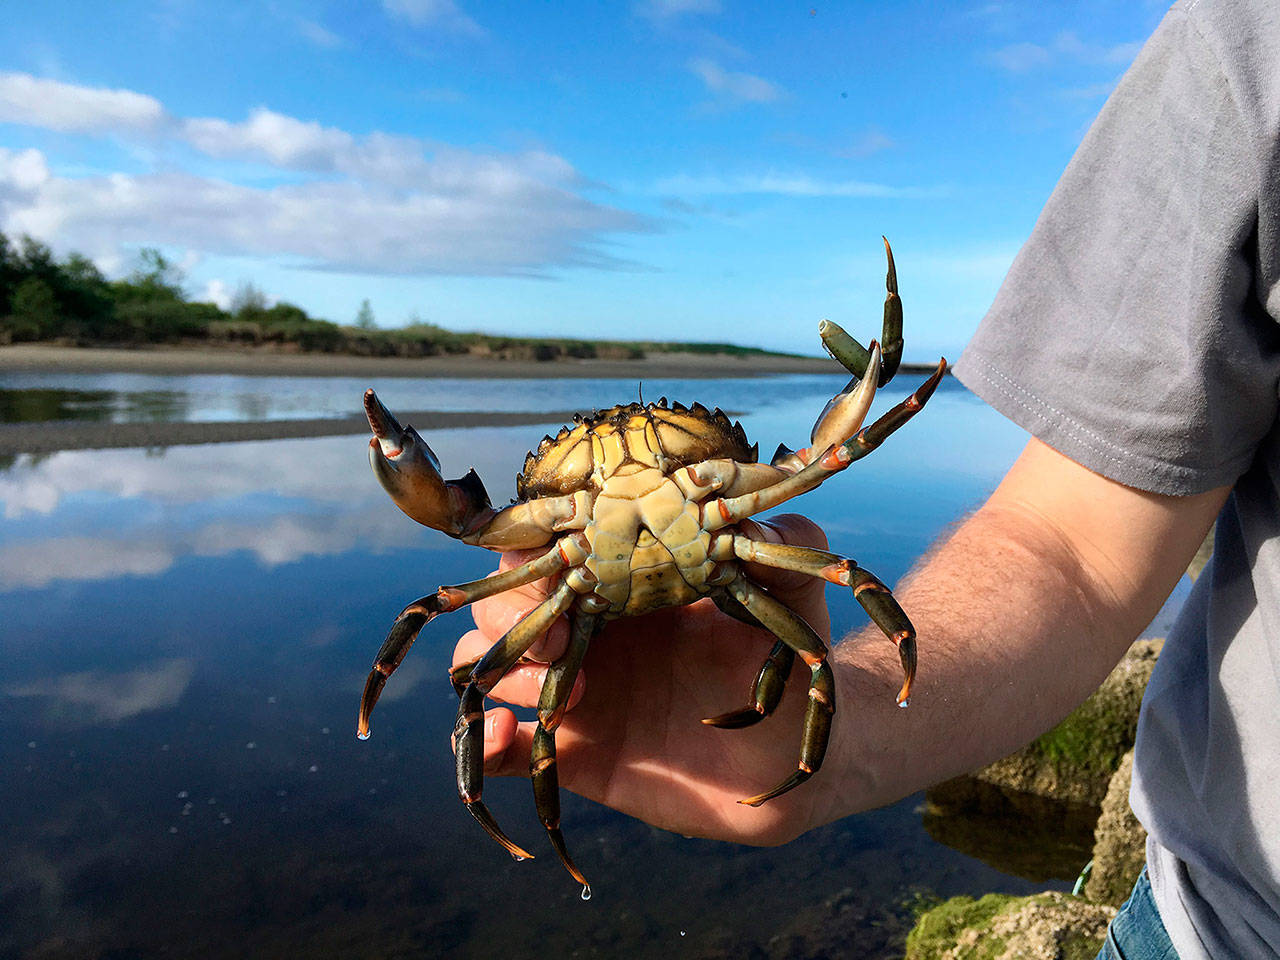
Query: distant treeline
point(70, 301)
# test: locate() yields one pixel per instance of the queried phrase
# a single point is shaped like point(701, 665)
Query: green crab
point(637, 507)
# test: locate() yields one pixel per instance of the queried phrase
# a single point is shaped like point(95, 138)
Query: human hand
point(633, 737)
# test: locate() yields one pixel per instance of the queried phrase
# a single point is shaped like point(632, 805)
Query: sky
point(656, 169)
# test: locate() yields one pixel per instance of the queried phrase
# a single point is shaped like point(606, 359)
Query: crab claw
point(409, 471)
point(845, 411)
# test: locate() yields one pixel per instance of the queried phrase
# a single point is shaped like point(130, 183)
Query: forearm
point(1018, 621)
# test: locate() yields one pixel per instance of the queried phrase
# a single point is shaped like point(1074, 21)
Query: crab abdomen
point(648, 549)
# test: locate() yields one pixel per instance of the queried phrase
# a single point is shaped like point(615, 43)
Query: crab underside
point(638, 508)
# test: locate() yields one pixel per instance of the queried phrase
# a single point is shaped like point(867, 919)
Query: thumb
point(799, 591)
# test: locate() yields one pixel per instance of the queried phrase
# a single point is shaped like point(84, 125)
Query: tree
point(248, 301)
point(156, 277)
point(34, 311)
point(364, 317)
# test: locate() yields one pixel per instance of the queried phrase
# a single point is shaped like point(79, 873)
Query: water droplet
point(251, 745)
point(586, 891)
point(182, 794)
point(312, 769)
point(31, 744)
point(905, 703)
point(325, 730)
point(363, 736)
point(682, 933)
point(173, 829)
point(517, 858)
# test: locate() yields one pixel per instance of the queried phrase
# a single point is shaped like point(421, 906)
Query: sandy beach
point(251, 362)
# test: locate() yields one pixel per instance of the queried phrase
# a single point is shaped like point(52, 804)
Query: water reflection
point(120, 397)
point(185, 634)
point(40, 405)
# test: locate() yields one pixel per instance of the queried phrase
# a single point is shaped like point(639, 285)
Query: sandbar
point(258, 362)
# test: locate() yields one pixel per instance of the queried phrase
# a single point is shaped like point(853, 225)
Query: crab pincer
point(409, 471)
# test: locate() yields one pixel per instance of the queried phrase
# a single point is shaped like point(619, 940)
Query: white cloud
point(100, 697)
point(379, 203)
point(217, 292)
point(786, 185)
point(500, 222)
point(37, 563)
point(867, 143)
point(275, 137)
point(735, 86)
point(317, 34)
point(1022, 57)
point(661, 9)
point(54, 105)
point(22, 170)
point(443, 14)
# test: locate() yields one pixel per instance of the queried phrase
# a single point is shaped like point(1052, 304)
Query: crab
point(638, 508)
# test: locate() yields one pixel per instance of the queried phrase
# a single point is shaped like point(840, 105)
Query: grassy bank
point(70, 302)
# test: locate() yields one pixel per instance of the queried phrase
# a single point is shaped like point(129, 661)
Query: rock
point(1075, 760)
point(1203, 555)
point(1120, 842)
point(1046, 926)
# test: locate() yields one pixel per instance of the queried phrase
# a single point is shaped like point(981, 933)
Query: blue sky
point(673, 169)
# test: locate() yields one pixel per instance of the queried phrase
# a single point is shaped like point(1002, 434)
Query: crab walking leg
point(542, 761)
point(422, 611)
point(875, 598)
point(868, 438)
point(850, 353)
point(792, 630)
point(468, 732)
point(723, 511)
point(770, 682)
point(766, 692)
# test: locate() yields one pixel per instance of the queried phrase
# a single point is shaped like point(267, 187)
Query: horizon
point(676, 170)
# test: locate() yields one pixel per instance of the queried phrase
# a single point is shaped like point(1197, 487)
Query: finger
point(507, 744)
point(791, 529)
point(523, 684)
point(495, 615)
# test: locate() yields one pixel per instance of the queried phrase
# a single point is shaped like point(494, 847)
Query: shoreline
point(180, 361)
point(267, 363)
point(55, 436)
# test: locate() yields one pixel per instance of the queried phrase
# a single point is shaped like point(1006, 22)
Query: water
point(129, 398)
point(185, 633)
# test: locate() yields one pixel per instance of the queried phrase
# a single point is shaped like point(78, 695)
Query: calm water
point(184, 635)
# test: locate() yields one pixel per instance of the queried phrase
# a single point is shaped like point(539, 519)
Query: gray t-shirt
point(1137, 334)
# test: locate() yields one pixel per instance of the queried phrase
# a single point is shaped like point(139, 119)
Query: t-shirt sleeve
point(1129, 333)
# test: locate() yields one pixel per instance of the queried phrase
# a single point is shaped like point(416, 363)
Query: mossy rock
point(1120, 843)
point(1046, 926)
point(1075, 760)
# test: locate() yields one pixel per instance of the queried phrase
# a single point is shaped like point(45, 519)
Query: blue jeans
point(1137, 932)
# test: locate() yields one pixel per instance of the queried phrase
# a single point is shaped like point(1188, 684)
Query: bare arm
point(1020, 613)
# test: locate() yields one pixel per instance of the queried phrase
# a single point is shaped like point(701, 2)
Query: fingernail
point(490, 726)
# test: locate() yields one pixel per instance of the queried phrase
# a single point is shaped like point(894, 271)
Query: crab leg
point(792, 630)
point(875, 598)
point(766, 692)
point(850, 353)
point(468, 732)
point(770, 682)
point(422, 611)
point(542, 761)
point(723, 511)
